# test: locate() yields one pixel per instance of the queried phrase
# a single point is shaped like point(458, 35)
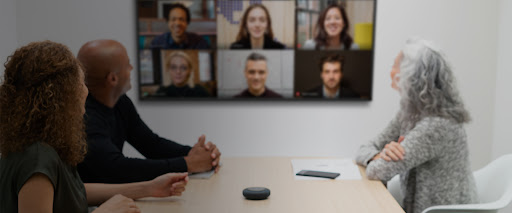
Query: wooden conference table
point(222, 193)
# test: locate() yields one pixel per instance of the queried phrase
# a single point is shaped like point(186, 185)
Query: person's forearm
point(98, 193)
point(365, 154)
point(160, 148)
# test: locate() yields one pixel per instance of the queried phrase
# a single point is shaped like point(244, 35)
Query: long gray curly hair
point(427, 86)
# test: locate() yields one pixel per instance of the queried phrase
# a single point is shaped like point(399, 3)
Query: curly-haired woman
point(425, 143)
point(42, 139)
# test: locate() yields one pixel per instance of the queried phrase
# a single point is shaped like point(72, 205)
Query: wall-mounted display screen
point(255, 49)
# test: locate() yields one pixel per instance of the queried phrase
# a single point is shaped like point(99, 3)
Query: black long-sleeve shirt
point(108, 128)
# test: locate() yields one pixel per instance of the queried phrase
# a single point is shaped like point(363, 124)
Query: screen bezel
point(216, 99)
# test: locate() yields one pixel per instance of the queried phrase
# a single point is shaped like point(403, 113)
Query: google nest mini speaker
point(256, 193)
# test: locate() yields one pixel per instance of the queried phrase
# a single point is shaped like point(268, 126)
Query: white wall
point(8, 42)
point(502, 117)
point(466, 29)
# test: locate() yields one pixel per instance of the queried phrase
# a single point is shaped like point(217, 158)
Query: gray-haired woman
point(425, 143)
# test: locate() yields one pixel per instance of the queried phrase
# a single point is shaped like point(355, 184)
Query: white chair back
point(494, 186)
point(394, 188)
point(494, 181)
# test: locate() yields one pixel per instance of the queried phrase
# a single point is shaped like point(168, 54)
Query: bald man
point(111, 119)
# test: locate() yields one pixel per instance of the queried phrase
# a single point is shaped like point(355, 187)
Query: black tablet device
point(310, 173)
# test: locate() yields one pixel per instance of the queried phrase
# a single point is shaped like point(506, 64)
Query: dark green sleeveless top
point(17, 168)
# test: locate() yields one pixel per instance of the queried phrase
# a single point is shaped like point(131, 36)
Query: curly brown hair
point(40, 101)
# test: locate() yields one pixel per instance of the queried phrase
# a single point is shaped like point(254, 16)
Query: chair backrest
point(394, 188)
point(494, 181)
point(494, 186)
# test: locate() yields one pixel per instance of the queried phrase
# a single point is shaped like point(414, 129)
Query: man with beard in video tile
point(331, 73)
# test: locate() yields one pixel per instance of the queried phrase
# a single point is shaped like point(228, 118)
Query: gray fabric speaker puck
point(256, 193)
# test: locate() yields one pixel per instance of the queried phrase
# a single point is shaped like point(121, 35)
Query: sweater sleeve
point(105, 163)
point(423, 143)
point(146, 141)
point(367, 151)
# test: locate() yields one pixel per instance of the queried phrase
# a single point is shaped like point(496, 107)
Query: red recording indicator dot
point(297, 94)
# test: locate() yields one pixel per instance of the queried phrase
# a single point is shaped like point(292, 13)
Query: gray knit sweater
point(435, 169)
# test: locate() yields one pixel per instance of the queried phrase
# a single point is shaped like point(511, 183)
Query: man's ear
point(112, 78)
